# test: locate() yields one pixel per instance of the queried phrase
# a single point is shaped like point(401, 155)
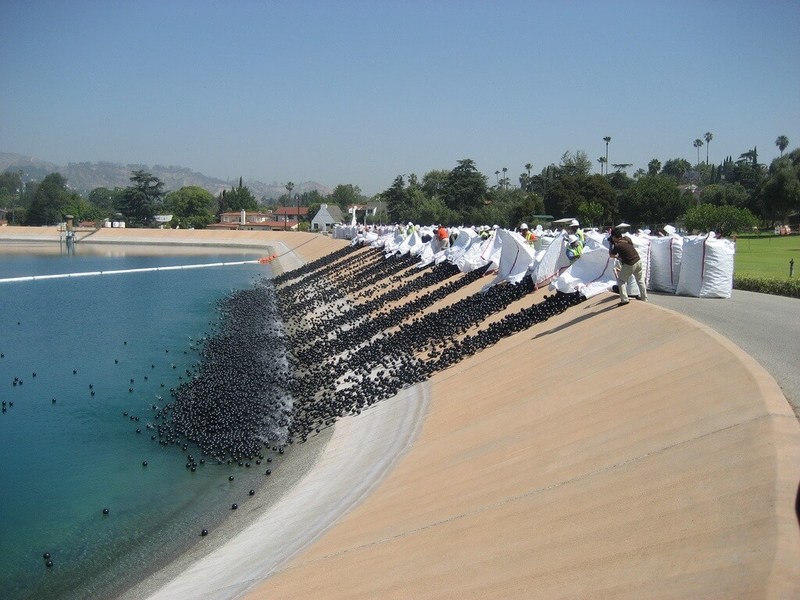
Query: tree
point(575, 164)
point(602, 162)
point(725, 220)
point(397, 201)
point(465, 189)
point(697, 144)
point(434, 183)
point(708, 137)
point(106, 200)
point(676, 167)
point(190, 206)
point(607, 140)
point(51, 201)
point(11, 182)
point(782, 143)
point(11, 193)
point(239, 198)
point(345, 195)
point(751, 156)
point(653, 167)
point(721, 194)
point(590, 213)
point(780, 193)
point(653, 200)
point(139, 201)
point(567, 194)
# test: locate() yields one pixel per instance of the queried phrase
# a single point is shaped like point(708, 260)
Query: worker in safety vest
point(575, 229)
point(527, 234)
point(574, 247)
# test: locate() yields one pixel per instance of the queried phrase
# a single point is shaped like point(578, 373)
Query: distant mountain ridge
point(85, 176)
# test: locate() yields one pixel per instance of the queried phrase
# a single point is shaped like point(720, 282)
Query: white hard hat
point(572, 239)
point(523, 226)
point(574, 223)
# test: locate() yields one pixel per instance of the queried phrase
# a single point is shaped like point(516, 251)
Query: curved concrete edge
point(362, 450)
point(607, 453)
point(783, 432)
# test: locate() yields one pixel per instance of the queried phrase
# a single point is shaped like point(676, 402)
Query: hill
point(86, 176)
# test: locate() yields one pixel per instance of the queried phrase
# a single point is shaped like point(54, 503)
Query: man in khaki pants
point(623, 249)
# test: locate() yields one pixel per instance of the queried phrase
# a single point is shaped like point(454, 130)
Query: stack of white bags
point(699, 265)
point(695, 265)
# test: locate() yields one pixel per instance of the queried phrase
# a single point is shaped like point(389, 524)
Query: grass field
point(767, 256)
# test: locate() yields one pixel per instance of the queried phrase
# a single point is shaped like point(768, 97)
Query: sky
point(346, 92)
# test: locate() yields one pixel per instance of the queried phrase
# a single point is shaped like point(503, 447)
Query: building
point(371, 212)
point(290, 216)
point(327, 216)
point(243, 220)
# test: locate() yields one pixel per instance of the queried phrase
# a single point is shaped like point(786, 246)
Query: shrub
point(776, 287)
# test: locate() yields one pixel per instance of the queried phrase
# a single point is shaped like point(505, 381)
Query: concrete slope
point(608, 452)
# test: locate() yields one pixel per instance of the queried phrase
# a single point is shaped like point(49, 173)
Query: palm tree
point(782, 143)
point(505, 180)
point(289, 187)
point(697, 143)
point(606, 139)
point(708, 137)
point(529, 166)
point(602, 161)
point(497, 175)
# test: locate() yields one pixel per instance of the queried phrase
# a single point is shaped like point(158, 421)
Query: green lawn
point(767, 256)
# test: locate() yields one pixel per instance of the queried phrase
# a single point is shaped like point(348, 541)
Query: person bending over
point(623, 249)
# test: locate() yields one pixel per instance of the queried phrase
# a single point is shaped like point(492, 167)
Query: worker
point(574, 247)
point(527, 234)
point(575, 229)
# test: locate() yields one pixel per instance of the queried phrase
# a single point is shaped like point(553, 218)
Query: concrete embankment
point(606, 452)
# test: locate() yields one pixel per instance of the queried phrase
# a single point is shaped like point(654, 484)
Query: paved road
point(766, 327)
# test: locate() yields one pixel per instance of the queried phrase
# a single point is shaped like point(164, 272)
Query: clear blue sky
point(359, 92)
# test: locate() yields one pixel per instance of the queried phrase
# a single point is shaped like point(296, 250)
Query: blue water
point(65, 453)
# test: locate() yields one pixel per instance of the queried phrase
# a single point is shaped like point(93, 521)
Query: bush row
point(777, 287)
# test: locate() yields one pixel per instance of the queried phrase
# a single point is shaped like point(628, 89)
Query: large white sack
point(595, 240)
point(516, 258)
point(665, 263)
point(491, 249)
point(426, 256)
point(642, 245)
point(550, 261)
point(591, 274)
point(471, 259)
point(463, 241)
point(393, 243)
point(706, 267)
point(411, 244)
